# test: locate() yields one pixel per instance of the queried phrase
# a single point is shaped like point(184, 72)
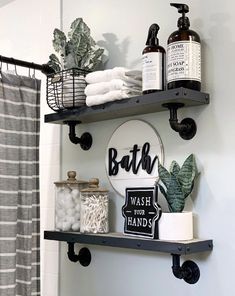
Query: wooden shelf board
point(123, 241)
point(128, 107)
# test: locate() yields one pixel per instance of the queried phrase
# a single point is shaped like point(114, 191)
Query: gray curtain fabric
point(19, 186)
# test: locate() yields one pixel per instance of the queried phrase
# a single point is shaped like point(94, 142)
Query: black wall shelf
point(189, 271)
point(122, 241)
point(133, 106)
point(150, 103)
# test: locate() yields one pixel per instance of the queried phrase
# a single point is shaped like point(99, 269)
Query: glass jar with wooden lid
point(68, 203)
point(94, 208)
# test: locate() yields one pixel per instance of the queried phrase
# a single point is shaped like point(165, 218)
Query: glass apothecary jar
point(94, 208)
point(68, 203)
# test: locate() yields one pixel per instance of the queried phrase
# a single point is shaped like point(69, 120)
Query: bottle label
point(184, 61)
point(153, 75)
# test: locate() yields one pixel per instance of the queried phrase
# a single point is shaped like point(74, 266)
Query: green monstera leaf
point(79, 28)
point(81, 42)
point(70, 61)
point(93, 59)
point(79, 51)
point(54, 63)
point(59, 41)
point(83, 48)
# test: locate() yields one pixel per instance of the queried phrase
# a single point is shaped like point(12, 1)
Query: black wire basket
point(65, 89)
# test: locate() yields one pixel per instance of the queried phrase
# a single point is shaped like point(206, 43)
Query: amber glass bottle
point(183, 54)
point(153, 73)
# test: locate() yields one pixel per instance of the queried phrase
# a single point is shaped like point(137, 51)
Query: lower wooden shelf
point(119, 240)
point(188, 271)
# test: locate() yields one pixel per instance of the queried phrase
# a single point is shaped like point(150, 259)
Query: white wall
point(123, 26)
point(26, 33)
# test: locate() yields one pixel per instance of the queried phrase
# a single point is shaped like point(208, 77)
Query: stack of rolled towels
point(111, 85)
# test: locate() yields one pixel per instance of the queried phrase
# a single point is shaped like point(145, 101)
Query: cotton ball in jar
point(70, 219)
point(69, 204)
point(60, 199)
point(60, 213)
point(76, 226)
point(77, 216)
point(58, 206)
point(58, 225)
point(71, 212)
point(66, 226)
point(75, 193)
point(67, 190)
point(77, 208)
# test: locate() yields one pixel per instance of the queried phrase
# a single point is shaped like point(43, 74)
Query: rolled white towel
point(133, 76)
point(115, 84)
point(110, 96)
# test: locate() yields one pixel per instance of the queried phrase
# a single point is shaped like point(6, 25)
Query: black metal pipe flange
point(84, 255)
point(187, 128)
point(85, 140)
point(189, 271)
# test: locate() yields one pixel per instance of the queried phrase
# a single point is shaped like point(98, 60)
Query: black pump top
point(152, 39)
point(183, 21)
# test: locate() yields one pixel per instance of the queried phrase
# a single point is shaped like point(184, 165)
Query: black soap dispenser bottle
point(183, 54)
point(153, 63)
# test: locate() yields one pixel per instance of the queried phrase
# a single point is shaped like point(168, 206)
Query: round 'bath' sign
point(132, 156)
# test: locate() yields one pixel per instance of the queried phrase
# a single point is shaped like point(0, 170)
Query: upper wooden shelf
point(133, 106)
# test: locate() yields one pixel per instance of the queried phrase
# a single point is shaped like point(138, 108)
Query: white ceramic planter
point(176, 226)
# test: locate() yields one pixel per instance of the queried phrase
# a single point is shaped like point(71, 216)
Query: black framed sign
point(141, 211)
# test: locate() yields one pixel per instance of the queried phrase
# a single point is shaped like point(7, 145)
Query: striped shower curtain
point(19, 186)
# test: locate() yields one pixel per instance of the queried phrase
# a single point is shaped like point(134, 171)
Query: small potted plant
point(178, 184)
point(77, 55)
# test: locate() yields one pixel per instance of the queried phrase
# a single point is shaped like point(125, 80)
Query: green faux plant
point(178, 182)
point(78, 51)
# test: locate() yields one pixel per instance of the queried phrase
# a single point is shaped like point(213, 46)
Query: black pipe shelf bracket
point(189, 271)
point(85, 140)
point(187, 128)
point(84, 255)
